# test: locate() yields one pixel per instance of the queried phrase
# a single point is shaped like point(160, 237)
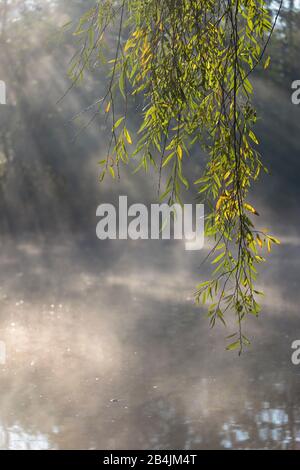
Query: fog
point(105, 347)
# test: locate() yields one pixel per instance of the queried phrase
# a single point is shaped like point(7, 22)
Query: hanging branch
point(190, 63)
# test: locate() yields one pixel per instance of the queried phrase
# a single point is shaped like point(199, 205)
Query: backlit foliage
point(190, 63)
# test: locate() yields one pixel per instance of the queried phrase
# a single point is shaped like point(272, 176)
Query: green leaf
point(233, 346)
point(253, 137)
point(118, 122)
point(218, 258)
point(122, 83)
point(168, 159)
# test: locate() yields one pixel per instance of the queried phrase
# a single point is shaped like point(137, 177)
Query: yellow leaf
point(274, 240)
point(112, 172)
point(253, 137)
point(129, 44)
point(267, 62)
point(251, 209)
point(146, 48)
point(180, 152)
point(219, 202)
point(259, 241)
point(108, 107)
point(127, 136)
point(138, 33)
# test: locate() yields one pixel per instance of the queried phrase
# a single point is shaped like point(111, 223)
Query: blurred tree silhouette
point(285, 45)
point(35, 143)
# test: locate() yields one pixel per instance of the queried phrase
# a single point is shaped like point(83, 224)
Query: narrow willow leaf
point(127, 136)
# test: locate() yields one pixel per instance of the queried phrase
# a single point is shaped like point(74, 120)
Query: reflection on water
point(15, 438)
point(105, 348)
point(115, 355)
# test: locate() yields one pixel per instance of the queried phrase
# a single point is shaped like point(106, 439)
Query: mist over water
point(105, 347)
